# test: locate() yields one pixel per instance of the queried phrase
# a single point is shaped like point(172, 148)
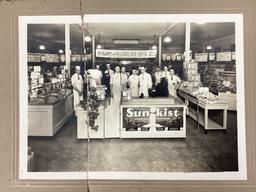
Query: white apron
point(172, 83)
point(115, 81)
point(134, 83)
point(77, 80)
point(145, 81)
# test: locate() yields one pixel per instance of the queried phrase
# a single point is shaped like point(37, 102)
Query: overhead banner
point(110, 53)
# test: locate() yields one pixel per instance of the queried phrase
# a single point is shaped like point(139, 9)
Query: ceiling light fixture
point(42, 47)
point(167, 39)
point(99, 46)
point(126, 41)
point(125, 62)
point(61, 51)
point(154, 47)
point(87, 39)
point(200, 22)
point(209, 47)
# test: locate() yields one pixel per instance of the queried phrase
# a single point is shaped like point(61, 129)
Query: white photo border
point(241, 174)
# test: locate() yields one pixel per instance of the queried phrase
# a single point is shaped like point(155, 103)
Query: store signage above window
point(108, 53)
point(201, 57)
point(224, 56)
point(211, 56)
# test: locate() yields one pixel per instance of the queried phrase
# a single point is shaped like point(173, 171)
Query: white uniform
point(96, 77)
point(134, 85)
point(124, 80)
point(109, 72)
point(172, 83)
point(115, 81)
point(145, 82)
point(77, 81)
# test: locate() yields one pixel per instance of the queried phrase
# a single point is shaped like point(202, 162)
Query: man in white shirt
point(77, 83)
point(145, 83)
point(173, 82)
point(134, 83)
point(124, 78)
point(116, 84)
point(95, 76)
point(165, 72)
point(99, 75)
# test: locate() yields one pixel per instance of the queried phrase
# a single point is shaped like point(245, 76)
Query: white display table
point(203, 118)
point(46, 120)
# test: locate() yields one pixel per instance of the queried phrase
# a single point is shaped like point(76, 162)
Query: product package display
point(223, 56)
point(201, 57)
point(52, 58)
point(34, 57)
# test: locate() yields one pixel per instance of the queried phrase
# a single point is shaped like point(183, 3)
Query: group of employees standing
point(139, 82)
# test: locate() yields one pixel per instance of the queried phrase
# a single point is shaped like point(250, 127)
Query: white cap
point(142, 67)
point(78, 68)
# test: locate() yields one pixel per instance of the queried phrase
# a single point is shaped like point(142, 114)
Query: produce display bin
point(46, 119)
point(202, 117)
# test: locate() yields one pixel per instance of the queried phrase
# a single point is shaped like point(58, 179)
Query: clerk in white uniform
point(116, 84)
point(99, 75)
point(165, 73)
point(145, 82)
point(134, 83)
point(124, 77)
point(77, 83)
point(95, 76)
point(173, 82)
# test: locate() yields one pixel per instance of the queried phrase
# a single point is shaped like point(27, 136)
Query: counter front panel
point(153, 118)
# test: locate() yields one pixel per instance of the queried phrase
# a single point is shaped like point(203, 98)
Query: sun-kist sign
point(110, 53)
point(143, 121)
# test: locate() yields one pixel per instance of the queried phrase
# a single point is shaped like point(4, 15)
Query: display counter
point(47, 119)
point(202, 117)
point(82, 127)
point(163, 117)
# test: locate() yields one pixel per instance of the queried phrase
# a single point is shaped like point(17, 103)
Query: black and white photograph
point(132, 96)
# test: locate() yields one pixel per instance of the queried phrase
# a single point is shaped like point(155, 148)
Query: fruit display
point(201, 93)
point(209, 98)
point(51, 97)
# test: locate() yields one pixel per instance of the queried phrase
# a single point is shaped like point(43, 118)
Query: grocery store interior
point(202, 137)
